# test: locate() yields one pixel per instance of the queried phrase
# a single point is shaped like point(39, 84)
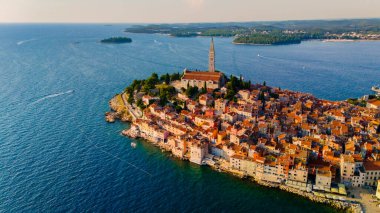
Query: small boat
point(133, 144)
point(376, 89)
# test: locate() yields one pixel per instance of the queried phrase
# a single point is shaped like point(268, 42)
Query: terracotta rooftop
point(374, 102)
point(347, 158)
point(371, 165)
point(202, 76)
point(324, 171)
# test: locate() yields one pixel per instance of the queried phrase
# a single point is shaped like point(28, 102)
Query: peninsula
point(273, 33)
point(117, 40)
point(323, 150)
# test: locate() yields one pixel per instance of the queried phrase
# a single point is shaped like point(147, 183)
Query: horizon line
point(202, 22)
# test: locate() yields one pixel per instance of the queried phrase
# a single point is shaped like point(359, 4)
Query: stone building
point(372, 170)
point(198, 151)
point(323, 179)
point(347, 169)
point(211, 78)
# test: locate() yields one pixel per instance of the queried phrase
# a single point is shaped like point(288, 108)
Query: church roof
point(202, 76)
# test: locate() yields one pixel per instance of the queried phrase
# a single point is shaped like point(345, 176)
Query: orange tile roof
point(375, 102)
point(202, 76)
point(372, 165)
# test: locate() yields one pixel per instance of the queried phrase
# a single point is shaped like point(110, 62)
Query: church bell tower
point(211, 57)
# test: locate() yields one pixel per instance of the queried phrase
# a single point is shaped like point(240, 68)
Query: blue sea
point(57, 153)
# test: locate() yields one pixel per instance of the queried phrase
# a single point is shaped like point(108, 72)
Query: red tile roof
point(202, 76)
point(375, 102)
point(371, 165)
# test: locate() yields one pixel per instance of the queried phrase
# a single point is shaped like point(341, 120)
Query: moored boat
point(376, 89)
point(133, 144)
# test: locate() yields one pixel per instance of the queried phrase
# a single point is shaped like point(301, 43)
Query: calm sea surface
point(57, 153)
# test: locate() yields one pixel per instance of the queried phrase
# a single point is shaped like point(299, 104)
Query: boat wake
point(172, 49)
point(271, 58)
point(283, 60)
point(157, 42)
point(24, 41)
point(277, 59)
point(52, 96)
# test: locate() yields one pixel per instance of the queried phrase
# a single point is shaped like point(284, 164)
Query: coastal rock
point(110, 117)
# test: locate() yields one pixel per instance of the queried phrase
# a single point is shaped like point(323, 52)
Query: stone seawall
point(341, 205)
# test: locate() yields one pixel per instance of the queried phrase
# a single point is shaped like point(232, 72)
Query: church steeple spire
point(211, 57)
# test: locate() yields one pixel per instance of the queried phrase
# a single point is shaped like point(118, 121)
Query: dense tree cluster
point(235, 84)
point(192, 91)
point(166, 94)
point(279, 37)
point(149, 84)
point(267, 39)
point(117, 40)
point(357, 102)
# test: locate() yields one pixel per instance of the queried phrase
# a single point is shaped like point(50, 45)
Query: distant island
point(272, 33)
point(117, 40)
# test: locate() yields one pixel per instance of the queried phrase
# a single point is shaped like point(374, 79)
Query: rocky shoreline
point(118, 111)
point(341, 205)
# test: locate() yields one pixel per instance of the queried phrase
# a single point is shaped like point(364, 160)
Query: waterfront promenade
point(133, 112)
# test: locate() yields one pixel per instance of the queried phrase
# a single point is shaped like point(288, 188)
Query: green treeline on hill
point(154, 85)
point(160, 87)
point(267, 39)
point(117, 40)
point(282, 32)
point(278, 38)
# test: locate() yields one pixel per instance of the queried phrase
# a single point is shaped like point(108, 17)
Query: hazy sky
point(134, 11)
